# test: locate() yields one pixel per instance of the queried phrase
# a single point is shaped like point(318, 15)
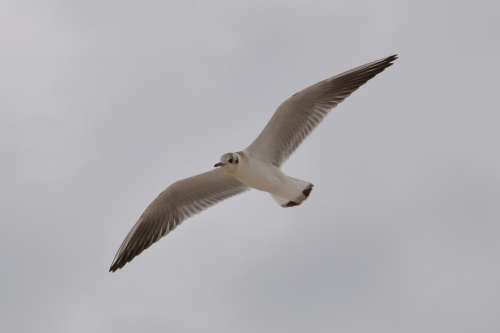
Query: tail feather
point(296, 201)
point(281, 201)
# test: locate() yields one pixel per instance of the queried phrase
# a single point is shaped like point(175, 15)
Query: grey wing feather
point(179, 201)
point(297, 116)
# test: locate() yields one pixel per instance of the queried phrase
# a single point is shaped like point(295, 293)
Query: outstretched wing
point(179, 201)
point(297, 116)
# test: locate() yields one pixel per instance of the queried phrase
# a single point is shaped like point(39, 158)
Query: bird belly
point(260, 176)
point(268, 178)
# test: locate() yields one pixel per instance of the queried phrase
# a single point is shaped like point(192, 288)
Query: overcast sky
point(105, 103)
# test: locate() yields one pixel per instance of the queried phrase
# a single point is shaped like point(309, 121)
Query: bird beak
point(219, 164)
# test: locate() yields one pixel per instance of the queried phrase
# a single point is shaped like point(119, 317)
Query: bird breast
point(257, 174)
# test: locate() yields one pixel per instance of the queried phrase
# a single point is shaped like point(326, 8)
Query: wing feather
point(297, 116)
point(178, 202)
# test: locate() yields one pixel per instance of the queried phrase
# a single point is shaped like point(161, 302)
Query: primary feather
point(297, 116)
point(179, 201)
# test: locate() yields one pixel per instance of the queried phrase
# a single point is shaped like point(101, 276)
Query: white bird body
point(266, 177)
point(258, 166)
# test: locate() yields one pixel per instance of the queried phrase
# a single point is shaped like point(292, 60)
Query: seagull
point(258, 166)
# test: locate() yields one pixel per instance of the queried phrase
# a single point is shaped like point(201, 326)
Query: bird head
point(228, 159)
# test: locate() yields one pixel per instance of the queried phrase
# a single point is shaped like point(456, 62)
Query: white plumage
point(258, 166)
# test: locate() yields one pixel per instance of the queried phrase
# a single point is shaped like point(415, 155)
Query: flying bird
point(258, 166)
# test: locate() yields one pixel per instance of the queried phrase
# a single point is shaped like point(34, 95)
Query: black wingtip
point(385, 62)
point(390, 59)
point(118, 264)
point(370, 70)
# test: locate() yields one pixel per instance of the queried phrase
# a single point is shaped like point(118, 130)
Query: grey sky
point(105, 103)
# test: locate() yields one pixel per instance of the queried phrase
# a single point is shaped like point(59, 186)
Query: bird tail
point(304, 189)
point(281, 201)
